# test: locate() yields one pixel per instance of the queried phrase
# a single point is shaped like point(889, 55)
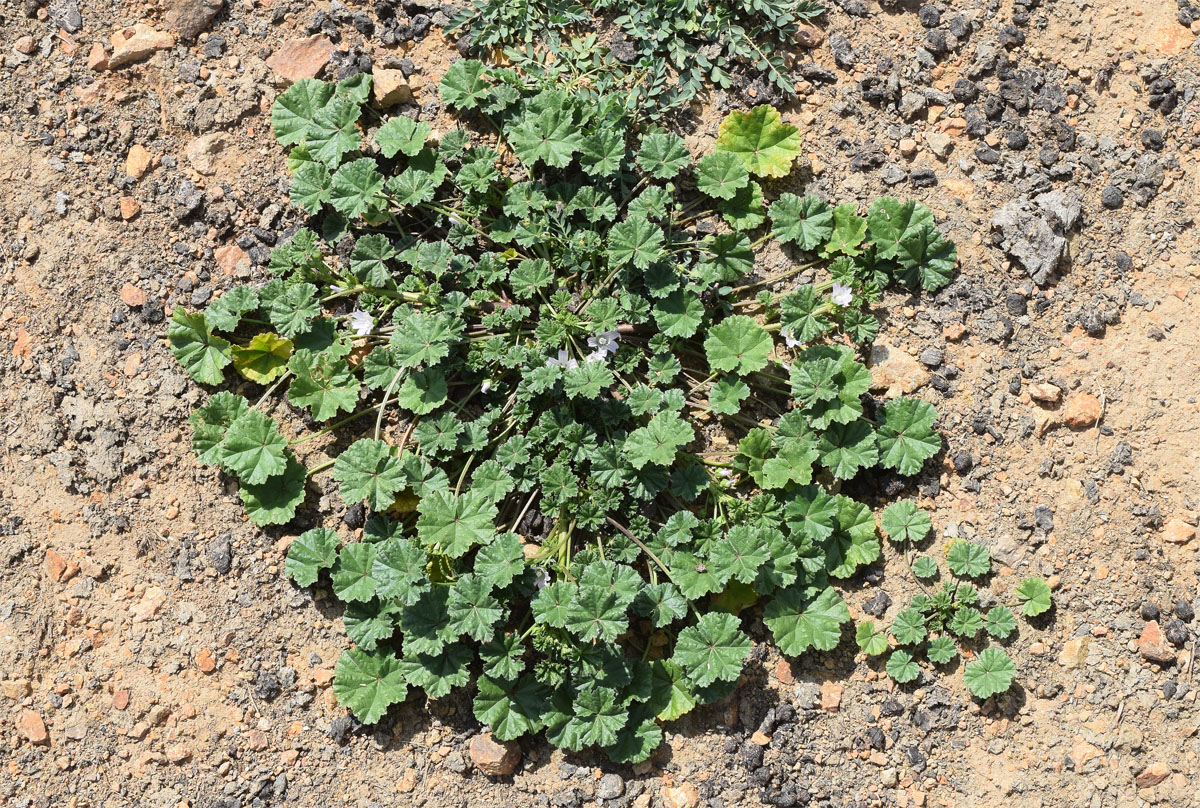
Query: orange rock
point(681, 796)
point(301, 58)
point(1178, 531)
point(1154, 646)
point(494, 757)
point(137, 161)
point(831, 697)
point(1152, 775)
point(132, 296)
point(783, 672)
point(230, 258)
point(407, 782)
point(179, 754)
point(1045, 392)
point(205, 661)
point(137, 42)
point(289, 756)
point(31, 725)
point(390, 87)
point(1082, 410)
point(954, 332)
point(1172, 39)
point(120, 700)
point(130, 207)
point(56, 565)
point(97, 58)
point(808, 36)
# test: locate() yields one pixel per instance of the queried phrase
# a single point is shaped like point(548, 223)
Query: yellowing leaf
point(766, 145)
point(264, 359)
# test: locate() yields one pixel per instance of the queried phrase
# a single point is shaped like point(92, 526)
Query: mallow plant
point(590, 432)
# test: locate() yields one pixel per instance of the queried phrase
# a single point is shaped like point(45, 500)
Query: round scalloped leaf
point(274, 501)
point(941, 650)
point(368, 683)
point(1034, 596)
point(312, 551)
point(193, 343)
point(264, 358)
point(712, 650)
point(721, 175)
point(901, 667)
point(764, 143)
point(905, 522)
point(991, 673)
point(871, 641)
point(806, 617)
point(968, 560)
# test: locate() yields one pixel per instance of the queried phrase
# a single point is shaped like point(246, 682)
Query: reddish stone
point(31, 725)
point(301, 58)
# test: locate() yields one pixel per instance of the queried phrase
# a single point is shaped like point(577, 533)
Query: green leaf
point(503, 658)
point(312, 551)
point(437, 674)
point(370, 622)
point(353, 573)
point(727, 394)
point(729, 257)
point(274, 501)
point(596, 615)
point(311, 185)
point(890, 220)
point(662, 156)
point(464, 86)
point(426, 623)
point(991, 673)
point(200, 352)
point(806, 222)
point(368, 683)
point(454, 523)
point(679, 314)
point(966, 622)
point(745, 211)
point(968, 560)
point(849, 232)
point(511, 709)
point(473, 610)
point(924, 568)
point(765, 145)
point(211, 422)
point(264, 358)
point(253, 449)
point(638, 739)
point(502, 561)
point(906, 439)
point(290, 308)
point(293, 111)
point(551, 136)
point(845, 449)
point(662, 603)
point(871, 641)
point(368, 469)
point(597, 719)
point(927, 259)
point(905, 522)
point(671, 694)
point(399, 571)
point(803, 617)
point(941, 650)
point(635, 241)
point(422, 338)
point(721, 175)
point(1034, 596)
point(323, 384)
point(712, 650)
point(333, 131)
point(529, 277)
point(738, 554)
point(423, 392)
point(226, 311)
point(356, 187)
point(738, 344)
point(658, 441)
point(909, 627)
point(792, 463)
point(901, 667)
point(999, 622)
point(552, 604)
point(402, 135)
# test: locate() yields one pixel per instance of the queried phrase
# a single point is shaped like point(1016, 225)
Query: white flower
point(596, 356)
point(487, 385)
point(841, 294)
point(790, 340)
point(564, 360)
point(454, 218)
point(541, 579)
point(605, 343)
point(361, 322)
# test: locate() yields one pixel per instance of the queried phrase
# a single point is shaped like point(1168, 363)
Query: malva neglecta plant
point(529, 346)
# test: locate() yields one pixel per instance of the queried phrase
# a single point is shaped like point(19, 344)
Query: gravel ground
point(154, 655)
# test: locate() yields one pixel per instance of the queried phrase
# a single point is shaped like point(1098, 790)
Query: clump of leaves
point(671, 49)
point(588, 429)
point(938, 620)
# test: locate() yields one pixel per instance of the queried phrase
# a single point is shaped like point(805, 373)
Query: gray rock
point(189, 18)
point(610, 787)
point(1034, 232)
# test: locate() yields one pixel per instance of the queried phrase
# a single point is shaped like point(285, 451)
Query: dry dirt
point(153, 654)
